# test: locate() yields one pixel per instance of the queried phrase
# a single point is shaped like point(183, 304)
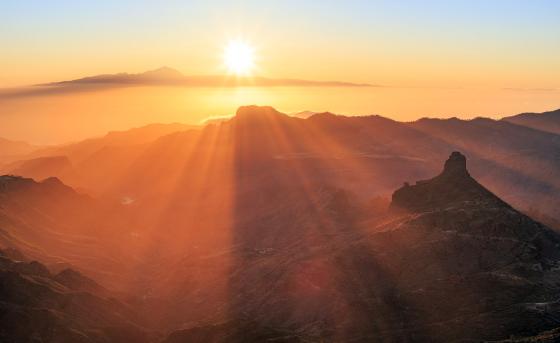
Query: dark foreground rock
point(36, 307)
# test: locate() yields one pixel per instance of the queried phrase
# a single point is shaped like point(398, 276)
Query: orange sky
point(434, 58)
point(432, 44)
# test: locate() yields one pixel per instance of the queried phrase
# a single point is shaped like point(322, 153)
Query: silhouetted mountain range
point(50, 222)
point(10, 150)
point(267, 227)
point(516, 162)
point(547, 121)
point(164, 76)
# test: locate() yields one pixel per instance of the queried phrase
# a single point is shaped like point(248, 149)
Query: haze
point(431, 58)
point(279, 171)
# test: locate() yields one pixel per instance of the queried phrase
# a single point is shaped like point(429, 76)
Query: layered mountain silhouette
point(51, 222)
point(169, 76)
point(460, 265)
point(268, 227)
point(164, 76)
point(369, 154)
point(80, 161)
point(11, 150)
point(547, 121)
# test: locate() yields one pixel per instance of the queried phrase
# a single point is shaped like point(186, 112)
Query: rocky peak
point(456, 164)
point(453, 187)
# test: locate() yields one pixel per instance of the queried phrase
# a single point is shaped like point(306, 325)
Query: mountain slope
point(92, 163)
point(265, 226)
point(50, 222)
point(453, 185)
point(481, 267)
point(36, 305)
point(12, 150)
point(546, 121)
point(451, 262)
point(368, 155)
point(515, 162)
point(41, 167)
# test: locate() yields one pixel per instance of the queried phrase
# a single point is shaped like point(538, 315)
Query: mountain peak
point(323, 116)
point(163, 73)
point(256, 113)
point(452, 187)
point(456, 164)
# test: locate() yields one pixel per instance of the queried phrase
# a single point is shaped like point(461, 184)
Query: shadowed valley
point(267, 227)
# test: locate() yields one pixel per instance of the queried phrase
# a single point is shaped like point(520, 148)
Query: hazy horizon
point(429, 59)
point(52, 120)
point(499, 44)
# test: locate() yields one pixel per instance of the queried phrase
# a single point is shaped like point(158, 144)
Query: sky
point(500, 43)
point(431, 58)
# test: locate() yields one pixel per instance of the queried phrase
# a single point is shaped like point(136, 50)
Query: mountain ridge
point(464, 272)
point(235, 255)
point(173, 76)
point(546, 121)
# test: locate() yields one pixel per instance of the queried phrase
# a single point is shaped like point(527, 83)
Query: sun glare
point(239, 57)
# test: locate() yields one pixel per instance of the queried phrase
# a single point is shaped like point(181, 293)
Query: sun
point(239, 57)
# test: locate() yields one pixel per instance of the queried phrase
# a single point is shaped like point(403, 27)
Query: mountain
point(454, 184)
point(369, 155)
point(135, 136)
point(449, 262)
point(40, 168)
point(495, 265)
point(160, 75)
point(515, 162)
point(546, 121)
point(51, 222)
point(169, 76)
point(274, 201)
point(163, 73)
point(36, 305)
point(163, 76)
point(303, 114)
point(11, 150)
point(86, 162)
point(267, 227)
point(232, 332)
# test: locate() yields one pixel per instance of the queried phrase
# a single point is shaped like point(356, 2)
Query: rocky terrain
point(267, 227)
point(367, 155)
point(38, 306)
point(453, 263)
